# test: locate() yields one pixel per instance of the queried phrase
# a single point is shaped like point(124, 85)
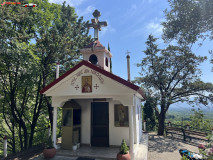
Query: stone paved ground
point(167, 148)
point(40, 157)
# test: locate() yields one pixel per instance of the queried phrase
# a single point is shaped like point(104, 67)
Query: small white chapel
point(98, 108)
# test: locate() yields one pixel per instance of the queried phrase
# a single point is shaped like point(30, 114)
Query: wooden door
point(67, 128)
point(100, 124)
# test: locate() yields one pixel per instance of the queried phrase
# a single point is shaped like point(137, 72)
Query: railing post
point(5, 146)
point(169, 123)
point(144, 125)
point(187, 126)
point(212, 131)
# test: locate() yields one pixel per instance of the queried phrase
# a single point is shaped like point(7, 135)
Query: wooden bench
point(174, 130)
point(195, 135)
point(186, 133)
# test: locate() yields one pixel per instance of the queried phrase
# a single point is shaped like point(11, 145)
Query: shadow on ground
point(168, 144)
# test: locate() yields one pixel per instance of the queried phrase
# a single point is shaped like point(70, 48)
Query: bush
point(124, 148)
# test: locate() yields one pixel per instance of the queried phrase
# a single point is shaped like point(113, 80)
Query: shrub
point(124, 148)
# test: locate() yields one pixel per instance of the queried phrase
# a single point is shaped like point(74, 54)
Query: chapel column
point(55, 110)
point(131, 132)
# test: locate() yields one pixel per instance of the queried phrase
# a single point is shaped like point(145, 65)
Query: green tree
point(172, 75)
point(198, 121)
point(26, 68)
point(60, 42)
point(149, 112)
point(188, 20)
point(110, 59)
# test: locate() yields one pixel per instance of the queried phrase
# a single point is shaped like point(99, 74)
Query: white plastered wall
point(85, 120)
point(101, 55)
point(116, 134)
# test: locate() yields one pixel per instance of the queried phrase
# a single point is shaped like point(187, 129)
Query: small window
point(93, 59)
point(106, 61)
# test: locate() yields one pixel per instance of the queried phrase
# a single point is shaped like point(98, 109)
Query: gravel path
point(167, 148)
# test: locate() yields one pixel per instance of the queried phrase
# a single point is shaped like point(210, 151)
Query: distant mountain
point(186, 107)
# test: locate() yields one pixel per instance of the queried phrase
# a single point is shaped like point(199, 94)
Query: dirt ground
point(25, 155)
point(167, 148)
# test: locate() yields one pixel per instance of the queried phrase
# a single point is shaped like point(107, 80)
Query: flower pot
point(123, 156)
point(49, 153)
point(74, 147)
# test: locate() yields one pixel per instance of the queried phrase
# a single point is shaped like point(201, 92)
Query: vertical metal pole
point(57, 70)
point(128, 67)
point(5, 146)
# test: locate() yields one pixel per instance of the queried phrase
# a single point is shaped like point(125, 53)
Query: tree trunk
point(161, 121)
point(13, 139)
point(37, 109)
point(50, 112)
point(20, 138)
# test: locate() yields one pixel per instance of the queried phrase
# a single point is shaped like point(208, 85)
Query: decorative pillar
point(55, 110)
point(131, 132)
point(128, 65)
point(144, 125)
point(5, 146)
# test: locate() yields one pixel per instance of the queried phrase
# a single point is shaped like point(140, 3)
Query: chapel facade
point(98, 108)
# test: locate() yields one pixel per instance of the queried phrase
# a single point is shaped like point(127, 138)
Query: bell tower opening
point(93, 59)
point(106, 61)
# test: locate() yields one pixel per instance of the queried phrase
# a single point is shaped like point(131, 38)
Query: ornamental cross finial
point(96, 24)
point(128, 53)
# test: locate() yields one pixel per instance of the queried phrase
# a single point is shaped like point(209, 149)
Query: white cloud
point(107, 29)
point(154, 28)
point(73, 3)
point(88, 11)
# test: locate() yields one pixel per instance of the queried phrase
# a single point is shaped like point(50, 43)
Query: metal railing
point(153, 126)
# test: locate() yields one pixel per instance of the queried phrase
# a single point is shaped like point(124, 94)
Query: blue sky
point(129, 24)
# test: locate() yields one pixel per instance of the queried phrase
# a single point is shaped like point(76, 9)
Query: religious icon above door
point(86, 84)
point(121, 116)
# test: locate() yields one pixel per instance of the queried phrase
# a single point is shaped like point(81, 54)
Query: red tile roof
point(94, 44)
point(98, 69)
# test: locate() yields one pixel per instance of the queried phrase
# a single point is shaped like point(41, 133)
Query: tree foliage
point(172, 75)
point(188, 20)
point(32, 40)
point(198, 121)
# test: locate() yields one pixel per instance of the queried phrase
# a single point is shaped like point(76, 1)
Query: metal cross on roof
point(96, 24)
point(128, 53)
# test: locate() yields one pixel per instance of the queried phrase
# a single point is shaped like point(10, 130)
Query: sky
point(129, 24)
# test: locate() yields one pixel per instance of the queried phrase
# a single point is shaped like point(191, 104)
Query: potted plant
point(124, 152)
point(49, 151)
point(74, 147)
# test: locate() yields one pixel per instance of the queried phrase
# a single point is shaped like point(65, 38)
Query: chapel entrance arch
point(71, 124)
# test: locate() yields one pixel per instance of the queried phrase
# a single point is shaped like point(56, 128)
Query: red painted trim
point(98, 69)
